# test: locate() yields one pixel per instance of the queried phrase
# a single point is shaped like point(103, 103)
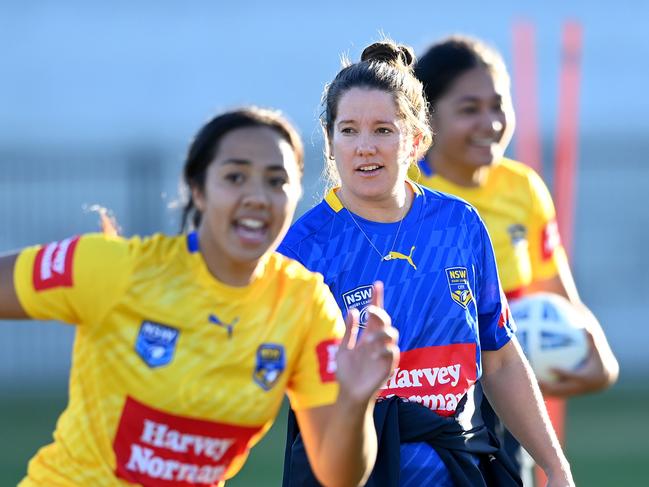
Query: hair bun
point(389, 52)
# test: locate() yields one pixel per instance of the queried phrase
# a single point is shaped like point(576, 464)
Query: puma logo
point(398, 255)
point(227, 326)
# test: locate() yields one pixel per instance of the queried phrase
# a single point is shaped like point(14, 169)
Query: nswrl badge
point(270, 363)
point(458, 283)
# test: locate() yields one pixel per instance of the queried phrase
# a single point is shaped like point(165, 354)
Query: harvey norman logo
point(157, 448)
point(359, 298)
point(53, 266)
point(436, 377)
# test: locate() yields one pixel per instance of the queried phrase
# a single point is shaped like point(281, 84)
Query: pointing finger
point(377, 318)
point(351, 329)
point(377, 294)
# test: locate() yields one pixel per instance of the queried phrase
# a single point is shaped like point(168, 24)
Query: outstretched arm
point(511, 388)
point(9, 305)
point(340, 439)
point(601, 369)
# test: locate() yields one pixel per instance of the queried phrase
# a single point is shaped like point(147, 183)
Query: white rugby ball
point(551, 332)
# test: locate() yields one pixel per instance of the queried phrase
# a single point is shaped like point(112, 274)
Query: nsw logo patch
point(359, 298)
point(156, 343)
point(270, 363)
point(517, 234)
point(458, 283)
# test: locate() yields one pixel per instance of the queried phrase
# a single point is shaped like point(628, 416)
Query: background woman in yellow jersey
point(433, 254)
point(186, 345)
point(468, 88)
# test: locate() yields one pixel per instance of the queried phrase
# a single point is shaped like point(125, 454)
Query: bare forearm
point(511, 389)
point(348, 448)
point(9, 305)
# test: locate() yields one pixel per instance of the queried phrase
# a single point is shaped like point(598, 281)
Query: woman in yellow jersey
point(186, 345)
point(467, 86)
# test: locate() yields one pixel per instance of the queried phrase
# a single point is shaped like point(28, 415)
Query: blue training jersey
point(441, 290)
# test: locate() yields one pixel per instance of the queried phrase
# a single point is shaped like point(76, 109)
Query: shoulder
point(295, 275)
point(529, 185)
point(433, 200)
point(157, 245)
point(115, 252)
point(517, 174)
point(309, 225)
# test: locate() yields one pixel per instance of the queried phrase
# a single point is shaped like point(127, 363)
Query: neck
point(231, 273)
point(460, 174)
point(383, 210)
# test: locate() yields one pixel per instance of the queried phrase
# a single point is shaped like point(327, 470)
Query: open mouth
point(251, 230)
point(483, 142)
point(369, 169)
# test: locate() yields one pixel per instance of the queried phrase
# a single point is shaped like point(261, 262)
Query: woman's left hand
point(591, 376)
point(364, 364)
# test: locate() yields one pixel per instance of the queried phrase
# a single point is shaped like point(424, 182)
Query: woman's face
point(252, 187)
point(473, 122)
point(370, 144)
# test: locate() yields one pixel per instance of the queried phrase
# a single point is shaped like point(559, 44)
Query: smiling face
point(371, 146)
point(472, 122)
point(251, 189)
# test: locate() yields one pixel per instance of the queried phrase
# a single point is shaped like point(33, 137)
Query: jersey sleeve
point(494, 320)
point(313, 382)
point(546, 252)
point(286, 250)
point(75, 280)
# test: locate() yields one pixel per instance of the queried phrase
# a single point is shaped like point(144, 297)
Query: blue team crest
point(156, 343)
point(359, 298)
point(517, 234)
point(458, 283)
point(270, 363)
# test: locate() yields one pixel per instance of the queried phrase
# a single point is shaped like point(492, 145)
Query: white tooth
point(251, 223)
point(483, 141)
point(369, 168)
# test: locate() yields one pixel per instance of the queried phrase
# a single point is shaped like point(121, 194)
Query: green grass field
point(608, 439)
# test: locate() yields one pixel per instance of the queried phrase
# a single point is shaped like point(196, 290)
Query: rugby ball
point(551, 332)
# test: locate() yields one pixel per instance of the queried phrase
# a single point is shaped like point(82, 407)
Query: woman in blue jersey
point(441, 288)
point(186, 345)
point(468, 88)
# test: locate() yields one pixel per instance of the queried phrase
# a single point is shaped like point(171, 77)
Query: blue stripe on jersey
point(411, 473)
point(451, 301)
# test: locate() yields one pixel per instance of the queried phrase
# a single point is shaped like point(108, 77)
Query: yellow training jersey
point(174, 374)
point(518, 212)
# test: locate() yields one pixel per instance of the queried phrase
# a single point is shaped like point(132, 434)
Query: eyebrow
point(472, 98)
point(246, 162)
point(378, 122)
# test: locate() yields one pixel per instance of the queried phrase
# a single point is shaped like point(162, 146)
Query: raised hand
point(366, 363)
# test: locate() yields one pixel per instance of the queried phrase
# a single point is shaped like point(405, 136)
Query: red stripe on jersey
point(504, 317)
point(161, 449)
point(436, 377)
point(326, 352)
point(549, 239)
point(53, 266)
point(514, 293)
